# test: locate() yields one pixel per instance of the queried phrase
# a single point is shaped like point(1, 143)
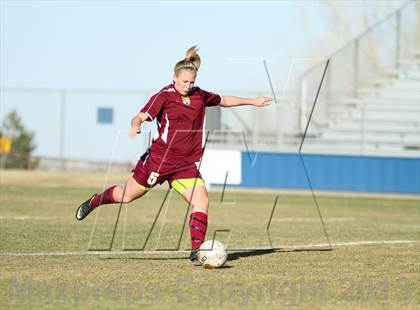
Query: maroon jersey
point(180, 121)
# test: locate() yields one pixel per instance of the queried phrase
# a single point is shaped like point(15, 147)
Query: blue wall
point(331, 172)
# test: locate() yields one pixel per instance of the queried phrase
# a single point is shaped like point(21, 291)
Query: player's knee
point(205, 202)
point(201, 204)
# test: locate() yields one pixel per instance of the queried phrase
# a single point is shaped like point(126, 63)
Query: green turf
point(37, 216)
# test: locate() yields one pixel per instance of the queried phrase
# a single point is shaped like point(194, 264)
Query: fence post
point(302, 104)
point(328, 95)
point(397, 38)
point(279, 128)
point(356, 67)
point(255, 130)
point(62, 127)
point(363, 129)
point(29, 161)
point(3, 159)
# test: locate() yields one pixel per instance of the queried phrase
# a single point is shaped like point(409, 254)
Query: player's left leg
point(195, 193)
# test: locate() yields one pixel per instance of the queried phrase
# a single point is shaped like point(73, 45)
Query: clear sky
point(134, 44)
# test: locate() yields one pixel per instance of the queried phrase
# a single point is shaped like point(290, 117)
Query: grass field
point(46, 262)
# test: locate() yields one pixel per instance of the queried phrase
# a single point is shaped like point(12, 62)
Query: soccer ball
point(212, 254)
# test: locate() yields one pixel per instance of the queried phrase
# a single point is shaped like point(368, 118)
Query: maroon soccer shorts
point(149, 172)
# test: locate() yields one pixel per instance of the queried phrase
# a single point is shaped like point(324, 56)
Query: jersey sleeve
point(210, 99)
point(154, 105)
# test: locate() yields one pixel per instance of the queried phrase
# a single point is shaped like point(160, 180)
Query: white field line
point(287, 219)
point(281, 248)
point(314, 219)
point(30, 218)
point(24, 218)
point(410, 226)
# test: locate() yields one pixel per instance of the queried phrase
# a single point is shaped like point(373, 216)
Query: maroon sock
point(198, 229)
point(105, 198)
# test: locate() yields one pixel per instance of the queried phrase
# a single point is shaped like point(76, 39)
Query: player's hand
point(262, 101)
point(134, 131)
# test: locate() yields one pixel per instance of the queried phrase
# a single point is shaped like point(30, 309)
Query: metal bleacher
point(369, 103)
point(383, 120)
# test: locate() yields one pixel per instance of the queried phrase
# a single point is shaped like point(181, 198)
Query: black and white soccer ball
point(212, 254)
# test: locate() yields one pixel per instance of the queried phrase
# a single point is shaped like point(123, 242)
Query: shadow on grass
point(241, 254)
point(222, 267)
point(259, 252)
point(145, 258)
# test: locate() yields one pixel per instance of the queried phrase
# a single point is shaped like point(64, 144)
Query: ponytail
point(191, 62)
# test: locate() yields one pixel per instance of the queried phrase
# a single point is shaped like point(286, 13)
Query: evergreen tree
point(22, 142)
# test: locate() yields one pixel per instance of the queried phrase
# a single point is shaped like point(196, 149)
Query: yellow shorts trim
point(181, 185)
point(146, 189)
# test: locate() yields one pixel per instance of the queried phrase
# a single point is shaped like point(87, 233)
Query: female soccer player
point(179, 110)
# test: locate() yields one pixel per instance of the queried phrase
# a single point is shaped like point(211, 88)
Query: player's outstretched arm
point(136, 122)
point(233, 101)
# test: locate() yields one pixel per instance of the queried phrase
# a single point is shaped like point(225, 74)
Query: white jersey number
point(152, 178)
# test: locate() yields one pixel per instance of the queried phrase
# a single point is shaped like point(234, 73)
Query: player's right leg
point(113, 194)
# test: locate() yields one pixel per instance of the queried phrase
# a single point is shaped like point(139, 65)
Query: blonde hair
point(191, 62)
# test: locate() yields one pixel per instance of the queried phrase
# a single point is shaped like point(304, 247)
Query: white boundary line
point(25, 218)
point(314, 219)
point(281, 248)
point(286, 219)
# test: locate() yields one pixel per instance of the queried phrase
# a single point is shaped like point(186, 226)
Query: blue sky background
point(134, 44)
